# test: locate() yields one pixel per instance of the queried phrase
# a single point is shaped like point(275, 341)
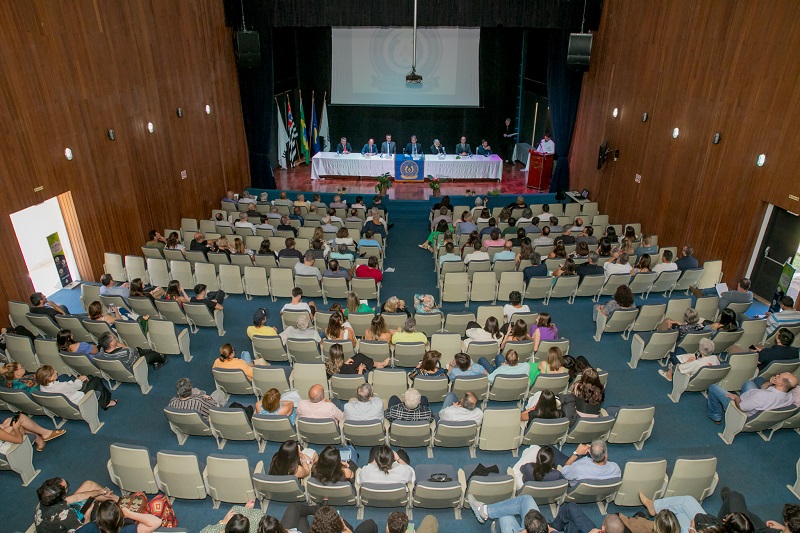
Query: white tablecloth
point(332, 164)
point(475, 167)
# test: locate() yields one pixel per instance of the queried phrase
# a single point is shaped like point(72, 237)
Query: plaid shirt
point(401, 412)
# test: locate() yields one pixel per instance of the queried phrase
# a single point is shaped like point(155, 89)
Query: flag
point(314, 127)
point(283, 138)
point(291, 153)
point(303, 132)
point(324, 134)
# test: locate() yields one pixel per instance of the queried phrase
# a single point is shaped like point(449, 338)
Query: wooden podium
point(540, 170)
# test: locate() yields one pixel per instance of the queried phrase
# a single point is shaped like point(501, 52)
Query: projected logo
point(409, 170)
point(392, 52)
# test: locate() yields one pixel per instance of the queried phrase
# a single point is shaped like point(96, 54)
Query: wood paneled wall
point(69, 71)
point(728, 66)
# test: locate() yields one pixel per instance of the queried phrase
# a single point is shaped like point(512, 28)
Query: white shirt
point(509, 310)
point(664, 267)
point(360, 411)
point(456, 413)
point(245, 224)
point(615, 268)
point(70, 389)
point(399, 473)
point(547, 147)
point(476, 256)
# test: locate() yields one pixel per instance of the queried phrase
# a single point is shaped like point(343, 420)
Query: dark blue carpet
point(757, 468)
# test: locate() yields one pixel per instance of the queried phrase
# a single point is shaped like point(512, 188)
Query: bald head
point(316, 393)
point(508, 245)
point(613, 524)
point(786, 382)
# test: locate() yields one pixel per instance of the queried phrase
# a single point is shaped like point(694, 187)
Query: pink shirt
point(321, 409)
point(489, 242)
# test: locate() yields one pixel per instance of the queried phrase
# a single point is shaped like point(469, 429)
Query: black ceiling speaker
point(579, 51)
point(247, 46)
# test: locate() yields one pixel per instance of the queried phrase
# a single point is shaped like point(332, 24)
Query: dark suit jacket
point(461, 148)
point(685, 263)
point(392, 147)
point(368, 150)
point(439, 150)
point(776, 353)
point(586, 269)
point(410, 148)
point(483, 151)
point(340, 148)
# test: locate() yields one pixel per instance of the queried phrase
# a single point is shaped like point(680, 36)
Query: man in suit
point(344, 147)
point(484, 148)
point(388, 146)
point(437, 147)
point(463, 148)
point(590, 268)
point(509, 140)
point(413, 147)
point(687, 259)
point(370, 148)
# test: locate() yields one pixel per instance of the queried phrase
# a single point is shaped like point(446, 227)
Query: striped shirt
point(778, 320)
point(196, 402)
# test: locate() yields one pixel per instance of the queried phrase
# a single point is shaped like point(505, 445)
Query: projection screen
point(369, 67)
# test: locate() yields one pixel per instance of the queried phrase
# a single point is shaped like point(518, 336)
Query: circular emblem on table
point(409, 170)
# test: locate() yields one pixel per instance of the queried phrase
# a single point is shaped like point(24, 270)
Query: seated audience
point(468, 409)
point(594, 466)
point(271, 404)
point(412, 406)
point(543, 330)
point(291, 460)
point(192, 399)
point(366, 406)
point(429, 366)
point(623, 300)
point(74, 389)
point(318, 406)
point(58, 511)
point(752, 399)
point(386, 467)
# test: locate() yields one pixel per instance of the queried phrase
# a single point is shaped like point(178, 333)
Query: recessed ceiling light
point(68, 154)
point(762, 158)
point(615, 113)
point(151, 127)
point(675, 133)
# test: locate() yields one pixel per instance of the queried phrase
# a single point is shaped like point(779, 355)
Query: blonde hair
point(238, 246)
point(555, 358)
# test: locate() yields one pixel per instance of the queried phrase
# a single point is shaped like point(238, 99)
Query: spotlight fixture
point(68, 154)
point(208, 109)
point(179, 112)
point(151, 127)
point(762, 158)
point(716, 138)
point(111, 134)
point(615, 112)
point(645, 116)
point(675, 133)
point(616, 154)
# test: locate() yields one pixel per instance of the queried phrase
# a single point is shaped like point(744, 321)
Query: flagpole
point(286, 114)
point(310, 140)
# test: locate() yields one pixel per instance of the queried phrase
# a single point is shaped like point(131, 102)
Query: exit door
point(780, 243)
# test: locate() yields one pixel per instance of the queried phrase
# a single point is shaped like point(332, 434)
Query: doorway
point(45, 244)
point(780, 243)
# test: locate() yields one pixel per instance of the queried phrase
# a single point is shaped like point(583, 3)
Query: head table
point(475, 167)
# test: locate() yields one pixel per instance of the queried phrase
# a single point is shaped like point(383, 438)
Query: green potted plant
point(436, 185)
point(384, 183)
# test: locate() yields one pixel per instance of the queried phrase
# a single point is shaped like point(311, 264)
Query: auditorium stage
point(299, 178)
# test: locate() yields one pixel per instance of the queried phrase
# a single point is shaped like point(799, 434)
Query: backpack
point(159, 506)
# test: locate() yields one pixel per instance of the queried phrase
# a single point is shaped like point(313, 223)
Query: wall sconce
point(68, 154)
point(151, 127)
point(615, 112)
point(675, 133)
point(716, 138)
point(111, 134)
point(208, 109)
point(762, 158)
point(179, 112)
point(644, 116)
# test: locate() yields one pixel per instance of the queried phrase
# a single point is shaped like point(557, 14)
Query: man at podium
point(546, 145)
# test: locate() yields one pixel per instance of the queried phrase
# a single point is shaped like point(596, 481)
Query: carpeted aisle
point(759, 469)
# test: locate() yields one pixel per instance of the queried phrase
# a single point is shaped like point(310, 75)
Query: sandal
point(663, 374)
point(54, 435)
point(40, 449)
point(111, 404)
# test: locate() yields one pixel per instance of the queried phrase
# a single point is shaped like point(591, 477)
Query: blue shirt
point(504, 255)
point(474, 370)
point(585, 468)
point(369, 242)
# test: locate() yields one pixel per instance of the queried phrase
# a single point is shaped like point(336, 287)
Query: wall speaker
point(247, 47)
point(579, 51)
